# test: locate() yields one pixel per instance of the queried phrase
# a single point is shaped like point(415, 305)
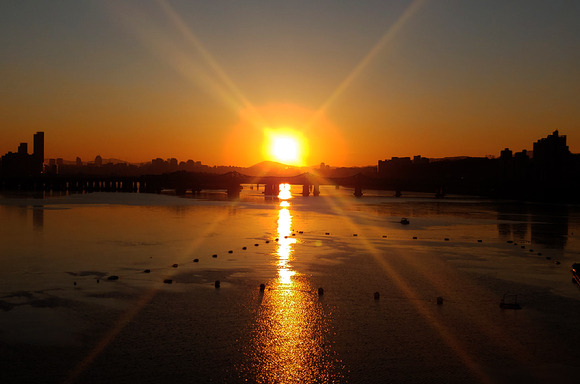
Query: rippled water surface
point(349, 293)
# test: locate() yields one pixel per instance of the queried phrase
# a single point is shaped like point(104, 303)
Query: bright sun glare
point(285, 146)
point(285, 149)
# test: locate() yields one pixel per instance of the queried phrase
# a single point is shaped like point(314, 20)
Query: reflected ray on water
point(291, 334)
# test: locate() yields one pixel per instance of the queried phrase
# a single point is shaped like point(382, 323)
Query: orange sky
point(205, 82)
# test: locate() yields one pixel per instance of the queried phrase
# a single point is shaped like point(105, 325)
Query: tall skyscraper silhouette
point(38, 154)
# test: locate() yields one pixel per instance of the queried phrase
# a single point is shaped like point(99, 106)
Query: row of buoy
point(217, 283)
point(531, 251)
point(169, 281)
point(320, 290)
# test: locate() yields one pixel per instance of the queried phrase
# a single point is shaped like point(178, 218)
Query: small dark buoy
point(230, 251)
point(384, 236)
point(277, 239)
point(262, 287)
point(244, 248)
point(217, 284)
point(327, 233)
point(175, 265)
point(214, 256)
point(355, 235)
point(539, 253)
point(414, 237)
point(446, 239)
point(557, 262)
point(255, 245)
point(515, 243)
point(320, 291)
point(285, 237)
point(531, 250)
point(98, 281)
point(548, 258)
point(439, 300)
point(113, 277)
point(147, 271)
point(293, 234)
point(377, 295)
point(75, 283)
point(196, 260)
point(267, 241)
point(480, 241)
point(168, 281)
point(300, 232)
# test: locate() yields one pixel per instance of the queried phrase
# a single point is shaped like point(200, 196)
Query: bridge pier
point(234, 190)
point(316, 190)
point(358, 190)
point(306, 190)
point(271, 190)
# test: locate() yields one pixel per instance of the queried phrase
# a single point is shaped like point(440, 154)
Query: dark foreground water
point(62, 320)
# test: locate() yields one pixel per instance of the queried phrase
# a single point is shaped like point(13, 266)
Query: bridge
point(232, 182)
point(182, 182)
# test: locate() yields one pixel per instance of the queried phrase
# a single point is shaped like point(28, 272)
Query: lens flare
point(285, 145)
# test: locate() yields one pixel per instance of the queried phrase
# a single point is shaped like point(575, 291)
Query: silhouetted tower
point(38, 154)
point(551, 163)
point(23, 149)
point(506, 155)
point(172, 164)
point(552, 150)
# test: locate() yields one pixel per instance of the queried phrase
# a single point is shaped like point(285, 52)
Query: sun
point(285, 149)
point(286, 146)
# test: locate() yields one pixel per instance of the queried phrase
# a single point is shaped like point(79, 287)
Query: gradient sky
point(358, 80)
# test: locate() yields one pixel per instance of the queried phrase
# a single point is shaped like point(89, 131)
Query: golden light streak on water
point(284, 195)
point(338, 205)
point(291, 335)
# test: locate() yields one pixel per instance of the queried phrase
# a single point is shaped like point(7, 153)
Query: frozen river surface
point(377, 318)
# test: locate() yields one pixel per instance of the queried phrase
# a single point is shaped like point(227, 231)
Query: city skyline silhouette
point(549, 175)
point(355, 84)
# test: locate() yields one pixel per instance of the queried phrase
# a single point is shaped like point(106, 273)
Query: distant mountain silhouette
point(115, 161)
point(266, 168)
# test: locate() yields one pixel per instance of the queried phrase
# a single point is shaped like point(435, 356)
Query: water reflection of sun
point(291, 334)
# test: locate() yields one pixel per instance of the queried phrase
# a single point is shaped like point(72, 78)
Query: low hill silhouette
point(272, 168)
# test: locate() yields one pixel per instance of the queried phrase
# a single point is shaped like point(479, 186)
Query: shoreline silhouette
point(548, 173)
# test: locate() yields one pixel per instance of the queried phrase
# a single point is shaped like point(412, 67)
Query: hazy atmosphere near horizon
point(297, 191)
point(350, 82)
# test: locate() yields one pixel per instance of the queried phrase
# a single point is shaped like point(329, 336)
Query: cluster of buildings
point(23, 164)
point(548, 171)
point(115, 167)
point(550, 154)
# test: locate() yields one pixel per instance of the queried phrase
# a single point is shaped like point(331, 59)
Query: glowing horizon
point(186, 81)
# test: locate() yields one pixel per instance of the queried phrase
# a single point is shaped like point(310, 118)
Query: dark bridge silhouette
point(182, 182)
point(232, 182)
